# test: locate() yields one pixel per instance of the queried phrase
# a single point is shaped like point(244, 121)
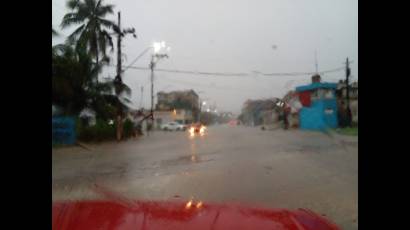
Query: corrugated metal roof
point(316, 85)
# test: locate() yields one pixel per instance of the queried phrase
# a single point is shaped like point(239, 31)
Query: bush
point(99, 132)
point(350, 131)
point(103, 131)
point(128, 128)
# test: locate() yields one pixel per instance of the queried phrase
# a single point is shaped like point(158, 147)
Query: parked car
point(173, 126)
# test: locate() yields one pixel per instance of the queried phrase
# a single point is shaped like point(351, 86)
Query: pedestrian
point(285, 119)
point(286, 111)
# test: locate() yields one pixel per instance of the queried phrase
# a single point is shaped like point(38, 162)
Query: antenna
point(316, 62)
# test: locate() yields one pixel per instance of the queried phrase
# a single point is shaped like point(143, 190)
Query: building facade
point(187, 100)
point(178, 106)
point(320, 110)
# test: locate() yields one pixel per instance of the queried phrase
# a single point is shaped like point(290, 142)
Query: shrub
point(99, 132)
point(128, 128)
point(103, 131)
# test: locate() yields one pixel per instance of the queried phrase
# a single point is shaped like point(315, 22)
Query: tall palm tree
point(92, 33)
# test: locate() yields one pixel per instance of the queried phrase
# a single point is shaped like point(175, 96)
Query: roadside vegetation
point(350, 131)
point(77, 65)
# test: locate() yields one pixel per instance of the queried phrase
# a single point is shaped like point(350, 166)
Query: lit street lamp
point(158, 46)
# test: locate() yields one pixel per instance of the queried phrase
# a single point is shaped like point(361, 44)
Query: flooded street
point(285, 169)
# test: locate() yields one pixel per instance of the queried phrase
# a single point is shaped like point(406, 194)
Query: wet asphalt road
point(286, 169)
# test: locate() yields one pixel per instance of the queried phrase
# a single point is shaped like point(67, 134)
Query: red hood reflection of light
point(175, 215)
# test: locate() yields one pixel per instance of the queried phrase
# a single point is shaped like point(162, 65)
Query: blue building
point(319, 109)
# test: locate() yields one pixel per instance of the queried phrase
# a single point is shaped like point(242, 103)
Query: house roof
point(316, 85)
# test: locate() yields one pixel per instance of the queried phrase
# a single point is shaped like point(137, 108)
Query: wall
point(354, 108)
point(63, 130)
point(316, 118)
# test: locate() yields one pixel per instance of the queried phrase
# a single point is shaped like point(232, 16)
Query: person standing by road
point(286, 112)
point(285, 119)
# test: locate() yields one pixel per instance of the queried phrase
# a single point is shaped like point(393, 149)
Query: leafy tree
point(73, 87)
point(92, 33)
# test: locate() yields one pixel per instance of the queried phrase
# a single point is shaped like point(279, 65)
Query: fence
point(63, 130)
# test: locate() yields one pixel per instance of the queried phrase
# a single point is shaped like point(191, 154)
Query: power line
point(303, 74)
point(203, 73)
point(213, 86)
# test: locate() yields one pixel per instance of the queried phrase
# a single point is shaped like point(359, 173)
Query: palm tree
point(71, 73)
point(73, 88)
point(92, 33)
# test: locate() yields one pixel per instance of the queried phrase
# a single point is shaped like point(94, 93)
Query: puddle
point(189, 159)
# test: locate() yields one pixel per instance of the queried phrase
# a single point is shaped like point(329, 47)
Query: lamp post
point(158, 46)
point(201, 103)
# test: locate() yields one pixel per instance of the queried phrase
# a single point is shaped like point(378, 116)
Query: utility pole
point(200, 110)
point(142, 94)
point(349, 113)
point(119, 47)
point(152, 65)
point(118, 79)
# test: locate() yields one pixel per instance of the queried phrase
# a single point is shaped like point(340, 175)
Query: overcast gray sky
point(233, 36)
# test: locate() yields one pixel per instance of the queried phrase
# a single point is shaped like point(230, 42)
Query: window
point(328, 111)
point(328, 94)
point(314, 95)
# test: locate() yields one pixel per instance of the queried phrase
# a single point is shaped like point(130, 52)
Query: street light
point(158, 46)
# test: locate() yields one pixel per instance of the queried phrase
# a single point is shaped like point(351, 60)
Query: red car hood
point(128, 215)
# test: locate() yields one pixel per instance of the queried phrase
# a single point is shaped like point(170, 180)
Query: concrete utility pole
point(118, 79)
point(142, 95)
point(119, 47)
point(152, 66)
point(200, 110)
point(349, 113)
